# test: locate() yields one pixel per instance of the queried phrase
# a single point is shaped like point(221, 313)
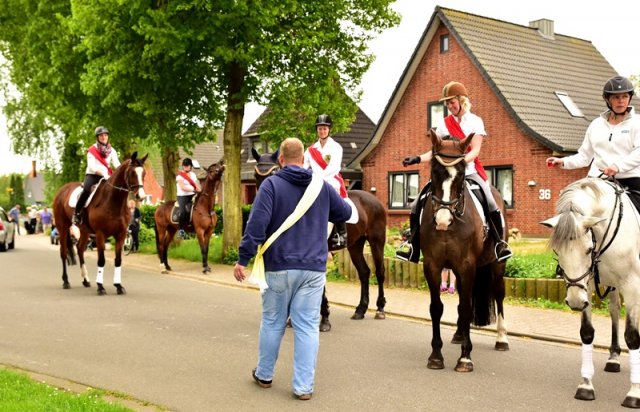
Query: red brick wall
point(505, 144)
point(151, 185)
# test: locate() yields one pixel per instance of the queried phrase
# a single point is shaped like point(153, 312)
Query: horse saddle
point(479, 200)
point(73, 197)
point(176, 212)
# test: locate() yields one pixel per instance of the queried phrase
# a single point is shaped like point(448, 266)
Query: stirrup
point(405, 256)
point(505, 252)
point(338, 241)
point(75, 219)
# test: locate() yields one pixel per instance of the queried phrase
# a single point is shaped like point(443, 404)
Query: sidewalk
point(542, 324)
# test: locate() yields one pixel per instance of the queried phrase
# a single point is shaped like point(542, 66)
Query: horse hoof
point(584, 394)
point(612, 367)
point(86, 283)
point(504, 346)
point(357, 316)
point(457, 339)
point(380, 315)
point(631, 402)
point(121, 289)
point(164, 272)
point(435, 363)
point(101, 292)
point(325, 325)
point(66, 286)
point(464, 366)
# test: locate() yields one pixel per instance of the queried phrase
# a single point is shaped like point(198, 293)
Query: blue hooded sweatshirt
point(304, 245)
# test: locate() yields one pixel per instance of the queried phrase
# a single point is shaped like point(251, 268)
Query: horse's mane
point(568, 208)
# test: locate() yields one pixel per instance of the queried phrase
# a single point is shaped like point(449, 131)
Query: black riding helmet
point(615, 85)
point(187, 162)
point(101, 130)
point(324, 120)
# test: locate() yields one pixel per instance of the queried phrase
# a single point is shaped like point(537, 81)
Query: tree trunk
point(232, 138)
point(170, 160)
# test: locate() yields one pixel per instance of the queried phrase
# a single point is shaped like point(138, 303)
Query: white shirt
point(332, 154)
point(192, 190)
point(469, 123)
point(95, 166)
point(609, 145)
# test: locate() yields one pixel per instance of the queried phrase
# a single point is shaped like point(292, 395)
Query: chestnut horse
point(106, 215)
point(371, 227)
point(203, 220)
point(452, 235)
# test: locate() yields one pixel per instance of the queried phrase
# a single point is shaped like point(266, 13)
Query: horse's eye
point(589, 250)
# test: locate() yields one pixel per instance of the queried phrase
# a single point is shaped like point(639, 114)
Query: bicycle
point(128, 243)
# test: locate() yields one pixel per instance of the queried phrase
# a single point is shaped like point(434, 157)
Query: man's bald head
point(292, 152)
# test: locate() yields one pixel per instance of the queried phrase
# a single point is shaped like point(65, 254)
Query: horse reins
point(455, 206)
point(595, 254)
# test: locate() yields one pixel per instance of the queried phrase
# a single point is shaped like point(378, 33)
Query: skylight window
point(568, 104)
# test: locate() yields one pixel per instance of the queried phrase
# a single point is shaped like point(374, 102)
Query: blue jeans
point(296, 294)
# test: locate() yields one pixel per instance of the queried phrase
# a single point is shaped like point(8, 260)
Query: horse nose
point(578, 307)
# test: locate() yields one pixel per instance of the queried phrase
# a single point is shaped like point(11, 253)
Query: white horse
point(597, 238)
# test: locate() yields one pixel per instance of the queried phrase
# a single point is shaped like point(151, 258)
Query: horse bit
point(455, 206)
point(592, 271)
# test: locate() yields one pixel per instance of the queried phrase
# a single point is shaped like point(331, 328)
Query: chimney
point(544, 26)
point(33, 168)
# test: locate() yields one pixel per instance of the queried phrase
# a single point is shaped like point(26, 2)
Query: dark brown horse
point(371, 227)
point(203, 220)
point(106, 215)
point(452, 236)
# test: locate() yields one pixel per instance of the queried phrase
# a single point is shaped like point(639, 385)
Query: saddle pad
point(175, 213)
point(73, 197)
point(476, 192)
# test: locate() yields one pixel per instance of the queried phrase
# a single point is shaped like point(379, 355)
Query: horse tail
point(71, 255)
point(483, 301)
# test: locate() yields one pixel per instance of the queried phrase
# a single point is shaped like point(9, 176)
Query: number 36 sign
point(544, 194)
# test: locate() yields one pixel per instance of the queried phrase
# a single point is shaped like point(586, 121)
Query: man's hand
point(411, 161)
point(238, 272)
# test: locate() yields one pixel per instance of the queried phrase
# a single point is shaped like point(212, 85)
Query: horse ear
point(551, 222)
point(255, 154)
point(144, 158)
point(466, 142)
point(274, 156)
point(435, 140)
point(134, 156)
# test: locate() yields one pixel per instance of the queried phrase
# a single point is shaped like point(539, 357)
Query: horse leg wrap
point(117, 275)
point(634, 365)
point(587, 368)
point(100, 275)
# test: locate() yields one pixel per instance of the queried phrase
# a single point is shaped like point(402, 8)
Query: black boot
point(338, 237)
point(502, 249)
point(413, 242)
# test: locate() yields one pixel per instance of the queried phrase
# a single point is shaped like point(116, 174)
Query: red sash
point(456, 131)
point(96, 153)
point(187, 178)
point(317, 157)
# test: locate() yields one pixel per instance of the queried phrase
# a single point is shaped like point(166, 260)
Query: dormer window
point(444, 43)
point(568, 104)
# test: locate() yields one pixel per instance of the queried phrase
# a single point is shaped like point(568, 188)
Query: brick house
point(536, 90)
point(352, 143)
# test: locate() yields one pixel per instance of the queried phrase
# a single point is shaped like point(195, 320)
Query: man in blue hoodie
point(295, 265)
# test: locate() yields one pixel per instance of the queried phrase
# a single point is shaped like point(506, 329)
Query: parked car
point(7, 231)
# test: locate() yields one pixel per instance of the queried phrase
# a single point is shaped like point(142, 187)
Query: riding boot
point(339, 239)
point(502, 249)
point(413, 242)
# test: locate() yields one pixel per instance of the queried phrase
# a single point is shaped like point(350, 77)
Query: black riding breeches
point(89, 181)
point(632, 184)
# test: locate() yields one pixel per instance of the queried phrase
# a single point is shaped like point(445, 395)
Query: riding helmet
point(453, 89)
point(101, 130)
point(187, 162)
point(617, 84)
point(324, 120)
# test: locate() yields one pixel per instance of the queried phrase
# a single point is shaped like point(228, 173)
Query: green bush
point(231, 257)
point(147, 212)
point(531, 266)
point(146, 234)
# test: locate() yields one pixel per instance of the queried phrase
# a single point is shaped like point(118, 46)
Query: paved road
point(188, 342)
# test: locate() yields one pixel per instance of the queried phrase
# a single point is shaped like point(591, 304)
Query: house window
point(569, 104)
point(501, 177)
point(436, 111)
point(403, 189)
point(444, 43)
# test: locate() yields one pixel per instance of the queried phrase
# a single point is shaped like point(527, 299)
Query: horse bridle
point(455, 206)
point(593, 271)
point(129, 188)
point(268, 172)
